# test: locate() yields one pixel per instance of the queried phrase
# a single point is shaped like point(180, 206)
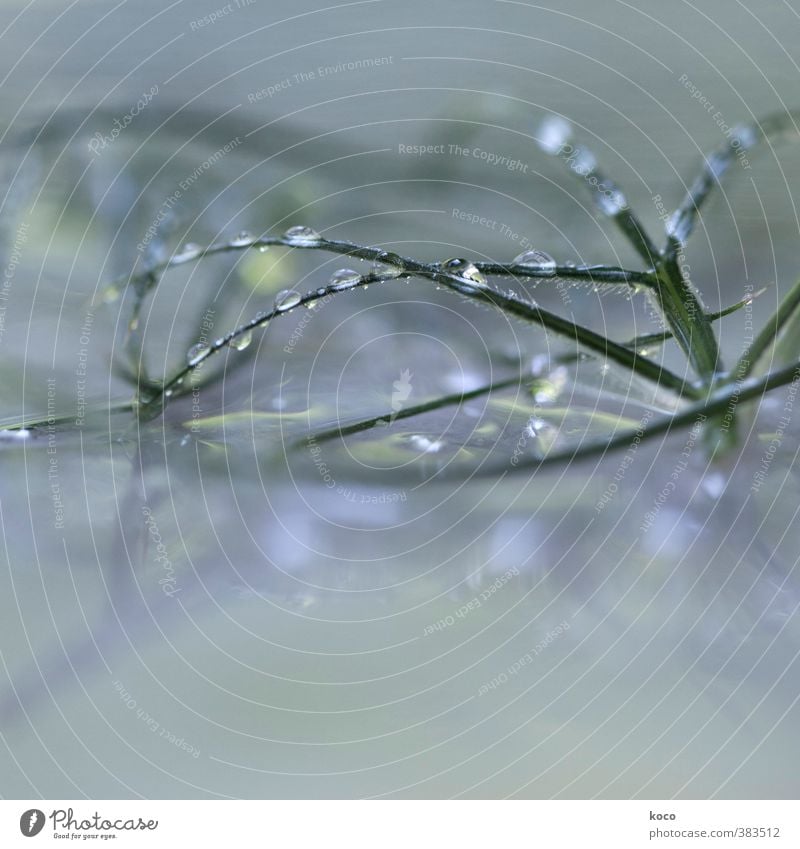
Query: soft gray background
point(298, 656)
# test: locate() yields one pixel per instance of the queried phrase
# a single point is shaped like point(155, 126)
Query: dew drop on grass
point(239, 343)
point(111, 294)
point(242, 240)
point(302, 236)
point(745, 135)
point(583, 163)
point(464, 269)
point(536, 260)
point(611, 201)
point(388, 264)
point(15, 435)
point(344, 278)
point(553, 134)
point(197, 353)
point(286, 299)
point(188, 252)
point(425, 444)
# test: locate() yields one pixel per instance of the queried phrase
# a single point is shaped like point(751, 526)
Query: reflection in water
point(214, 603)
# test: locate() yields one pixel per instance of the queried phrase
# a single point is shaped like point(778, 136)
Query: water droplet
point(464, 269)
point(388, 264)
point(535, 426)
point(133, 324)
point(583, 162)
point(745, 135)
point(242, 240)
point(554, 134)
point(548, 390)
point(286, 299)
point(677, 228)
point(536, 260)
point(111, 294)
point(188, 252)
point(239, 343)
point(302, 236)
point(15, 435)
point(262, 249)
point(423, 443)
point(714, 484)
point(344, 278)
point(197, 353)
point(321, 292)
point(611, 201)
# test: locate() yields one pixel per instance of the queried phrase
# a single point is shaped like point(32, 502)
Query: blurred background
point(195, 606)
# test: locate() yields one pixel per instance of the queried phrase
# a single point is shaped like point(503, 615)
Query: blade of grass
point(768, 334)
point(555, 139)
point(681, 223)
point(716, 404)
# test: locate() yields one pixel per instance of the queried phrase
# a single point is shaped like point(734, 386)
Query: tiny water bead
point(301, 235)
point(242, 240)
point(197, 353)
point(239, 343)
point(344, 278)
point(188, 252)
point(536, 260)
point(464, 269)
point(286, 299)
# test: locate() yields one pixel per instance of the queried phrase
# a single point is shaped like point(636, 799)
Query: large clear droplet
point(242, 240)
point(286, 299)
point(344, 278)
point(187, 253)
point(239, 343)
point(197, 353)
point(465, 269)
point(388, 264)
point(536, 260)
point(554, 134)
point(302, 236)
